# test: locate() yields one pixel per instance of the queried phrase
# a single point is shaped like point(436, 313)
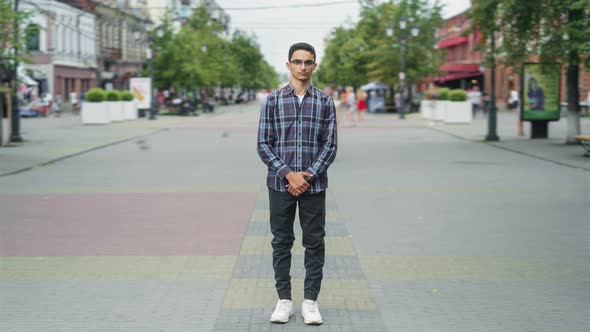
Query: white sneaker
point(283, 311)
point(311, 313)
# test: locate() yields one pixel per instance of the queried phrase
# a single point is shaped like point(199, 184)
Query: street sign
point(402, 75)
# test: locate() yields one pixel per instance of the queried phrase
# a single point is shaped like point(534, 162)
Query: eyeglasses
point(300, 62)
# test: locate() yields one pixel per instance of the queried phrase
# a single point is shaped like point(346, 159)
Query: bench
point(585, 140)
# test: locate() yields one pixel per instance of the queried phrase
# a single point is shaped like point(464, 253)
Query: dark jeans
point(312, 217)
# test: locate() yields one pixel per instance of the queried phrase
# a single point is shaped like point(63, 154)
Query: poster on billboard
point(140, 87)
point(540, 84)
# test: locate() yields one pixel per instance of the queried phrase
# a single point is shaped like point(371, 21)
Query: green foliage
point(431, 94)
point(556, 31)
point(7, 18)
point(197, 57)
point(457, 95)
point(113, 95)
point(95, 95)
point(126, 96)
point(443, 93)
point(345, 62)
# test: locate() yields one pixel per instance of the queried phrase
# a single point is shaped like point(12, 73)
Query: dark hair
point(301, 46)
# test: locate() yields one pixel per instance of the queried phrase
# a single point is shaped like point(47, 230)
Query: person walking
point(297, 140)
point(475, 98)
point(514, 104)
point(361, 105)
point(351, 106)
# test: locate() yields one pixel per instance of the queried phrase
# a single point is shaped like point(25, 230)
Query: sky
point(276, 29)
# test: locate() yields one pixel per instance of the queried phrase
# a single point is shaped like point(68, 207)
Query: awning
point(23, 77)
point(374, 86)
point(445, 43)
point(460, 67)
point(456, 76)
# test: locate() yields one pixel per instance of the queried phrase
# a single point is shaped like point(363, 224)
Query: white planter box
point(129, 110)
point(458, 112)
point(439, 110)
point(95, 113)
point(427, 109)
point(116, 110)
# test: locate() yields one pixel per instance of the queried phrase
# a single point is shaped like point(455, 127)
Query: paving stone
point(463, 306)
point(335, 267)
point(117, 268)
point(109, 305)
point(340, 320)
point(260, 245)
point(473, 268)
point(338, 294)
point(332, 229)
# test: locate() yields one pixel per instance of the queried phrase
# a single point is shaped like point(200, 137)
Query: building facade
point(463, 66)
point(122, 41)
point(60, 39)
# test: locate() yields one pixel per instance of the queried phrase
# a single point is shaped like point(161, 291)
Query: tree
point(8, 17)
point(356, 55)
point(198, 57)
point(557, 31)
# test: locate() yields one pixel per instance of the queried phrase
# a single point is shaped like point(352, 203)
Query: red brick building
point(463, 65)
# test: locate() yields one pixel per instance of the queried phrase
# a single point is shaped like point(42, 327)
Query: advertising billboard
point(540, 84)
point(141, 87)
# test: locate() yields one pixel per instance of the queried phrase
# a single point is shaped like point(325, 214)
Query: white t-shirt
point(513, 96)
point(475, 97)
point(351, 101)
point(300, 99)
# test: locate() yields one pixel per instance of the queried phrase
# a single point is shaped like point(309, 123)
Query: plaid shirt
point(297, 138)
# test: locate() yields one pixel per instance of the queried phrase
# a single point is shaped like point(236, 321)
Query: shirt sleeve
point(266, 139)
point(329, 142)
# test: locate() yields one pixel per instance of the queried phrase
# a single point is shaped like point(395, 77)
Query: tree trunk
point(573, 97)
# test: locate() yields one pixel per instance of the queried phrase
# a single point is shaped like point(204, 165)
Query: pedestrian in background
point(297, 141)
point(514, 104)
point(361, 104)
point(350, 105)
point(475, 98)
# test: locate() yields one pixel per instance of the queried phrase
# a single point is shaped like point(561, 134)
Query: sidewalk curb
point(52, 161)
point(498, 146)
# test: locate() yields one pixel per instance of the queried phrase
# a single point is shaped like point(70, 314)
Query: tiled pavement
point(345, 300)
point(457, 237)
point(91, 272)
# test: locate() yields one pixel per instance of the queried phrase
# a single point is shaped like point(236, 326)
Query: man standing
point(297, 141)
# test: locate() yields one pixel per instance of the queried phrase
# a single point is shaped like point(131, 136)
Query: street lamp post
point(15, 119)
point(403, 39)
point(492, 136)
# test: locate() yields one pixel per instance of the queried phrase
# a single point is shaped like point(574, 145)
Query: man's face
point(302, 65)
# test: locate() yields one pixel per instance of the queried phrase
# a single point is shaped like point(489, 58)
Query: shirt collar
point(290, 89)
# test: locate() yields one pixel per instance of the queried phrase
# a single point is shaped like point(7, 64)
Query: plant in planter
point(94, 110)
point(458, 108)
point(95, 95)
point(441, 104)
point(115, 106)
point(443, 93)
point(428, 104)
point(129, 109)
point(113, 95)
point(458, 95)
